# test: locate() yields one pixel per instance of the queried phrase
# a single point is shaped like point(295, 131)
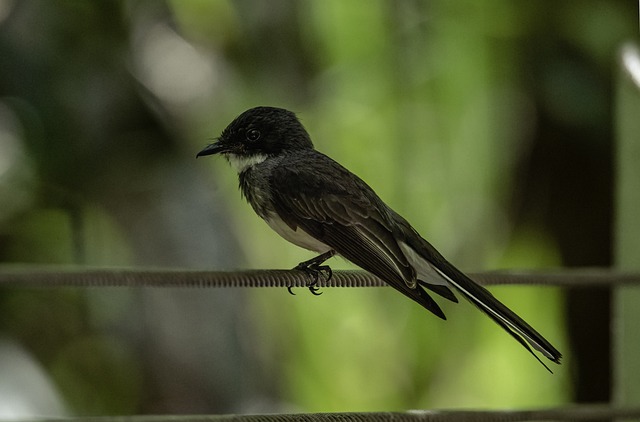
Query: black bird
point(315, 203)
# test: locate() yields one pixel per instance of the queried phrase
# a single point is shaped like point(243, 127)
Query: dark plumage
point(317, 204)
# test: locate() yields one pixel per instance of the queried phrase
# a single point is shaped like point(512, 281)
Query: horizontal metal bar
point(577, 413)
point(35, 276)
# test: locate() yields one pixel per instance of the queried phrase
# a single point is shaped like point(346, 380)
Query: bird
point(315, 203)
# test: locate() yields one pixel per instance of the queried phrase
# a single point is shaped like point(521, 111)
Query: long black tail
point(497, 311)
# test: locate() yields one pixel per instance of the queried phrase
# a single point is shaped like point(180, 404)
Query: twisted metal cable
point(37, 276)
point(577, 413)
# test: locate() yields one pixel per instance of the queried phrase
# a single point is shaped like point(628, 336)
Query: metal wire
point(577, 413)
point(34, 276)
point(48, 277)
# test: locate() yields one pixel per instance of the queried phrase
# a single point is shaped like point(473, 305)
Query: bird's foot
point(314, 269)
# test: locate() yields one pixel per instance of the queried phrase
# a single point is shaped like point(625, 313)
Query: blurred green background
point(488, 125)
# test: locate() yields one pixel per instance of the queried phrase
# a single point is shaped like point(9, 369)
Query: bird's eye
point(253, 135)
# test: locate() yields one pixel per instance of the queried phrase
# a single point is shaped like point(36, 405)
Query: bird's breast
point(255, 190)
point(254, 185)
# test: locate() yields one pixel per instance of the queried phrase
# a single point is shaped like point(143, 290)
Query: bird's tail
point(503, 316)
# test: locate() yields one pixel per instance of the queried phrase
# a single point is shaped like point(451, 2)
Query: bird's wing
point(340, 210)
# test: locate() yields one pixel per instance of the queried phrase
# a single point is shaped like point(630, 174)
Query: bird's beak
point(214, 148)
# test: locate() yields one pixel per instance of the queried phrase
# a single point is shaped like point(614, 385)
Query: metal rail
point(575, 413)
point(47, 277)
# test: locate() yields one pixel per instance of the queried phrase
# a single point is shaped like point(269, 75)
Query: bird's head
point(257, 134)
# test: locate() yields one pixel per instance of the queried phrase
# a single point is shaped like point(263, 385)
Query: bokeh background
point(488, 125)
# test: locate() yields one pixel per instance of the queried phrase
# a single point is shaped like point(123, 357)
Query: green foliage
point(442, 107)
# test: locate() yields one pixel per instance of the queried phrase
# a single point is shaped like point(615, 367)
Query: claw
point(313, 286)
point(313, 269)
point(314, 290)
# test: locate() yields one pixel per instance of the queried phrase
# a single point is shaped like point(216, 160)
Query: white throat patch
point(241, 164)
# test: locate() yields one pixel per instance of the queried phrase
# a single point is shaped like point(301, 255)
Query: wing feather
point(349, 219)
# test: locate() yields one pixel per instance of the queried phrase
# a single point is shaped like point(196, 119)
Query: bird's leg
point(314, 268)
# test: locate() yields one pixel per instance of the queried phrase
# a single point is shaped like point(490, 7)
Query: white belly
point(298, 237)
